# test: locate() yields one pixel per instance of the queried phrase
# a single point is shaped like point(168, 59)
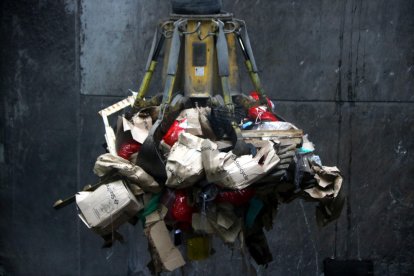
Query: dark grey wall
point(341, 70)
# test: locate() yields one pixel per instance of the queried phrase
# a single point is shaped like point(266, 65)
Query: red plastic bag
point(255, 96)
point(259, 113)
point(129, 148)
point(180, 210)
point(237, 197)
point(173, 132)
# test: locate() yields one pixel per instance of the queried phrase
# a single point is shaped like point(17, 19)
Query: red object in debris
point(260, 113)
point(129, 148)
point(180, 210)
point(236, 198)
point(255, 96)
point(173, 132)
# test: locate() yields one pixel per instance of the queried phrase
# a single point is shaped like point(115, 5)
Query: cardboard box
point(110, 205)
point(167, 254)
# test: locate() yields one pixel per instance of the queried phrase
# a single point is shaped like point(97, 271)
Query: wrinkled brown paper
point(230, 171)
point(329, 182)
point(184, 166)
point(106, 162)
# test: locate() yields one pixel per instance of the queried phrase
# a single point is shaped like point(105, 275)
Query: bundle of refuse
point(208, 189)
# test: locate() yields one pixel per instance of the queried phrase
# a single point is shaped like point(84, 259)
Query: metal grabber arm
point(156, 47)
point(240, 148)
point(251, 64)
point(149, 158)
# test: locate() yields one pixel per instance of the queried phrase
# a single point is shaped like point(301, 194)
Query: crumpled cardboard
point(160, 241)
point(156, 216)
point(191, 121)
point(135, 189)
point(329, 182)
point(195, 121)
point(184, 166)
point(225, 223)
point(107, 162)
point(108, 206)
point(229, 171)
point(165, 256)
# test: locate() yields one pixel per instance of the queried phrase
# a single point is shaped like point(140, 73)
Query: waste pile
point(202, 159)
point(202, 186)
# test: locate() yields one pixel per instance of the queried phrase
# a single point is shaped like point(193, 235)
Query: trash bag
point(260, 114)
point(255, 96)
point(221, 120)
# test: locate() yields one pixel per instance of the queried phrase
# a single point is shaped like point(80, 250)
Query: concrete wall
point(341, 70)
